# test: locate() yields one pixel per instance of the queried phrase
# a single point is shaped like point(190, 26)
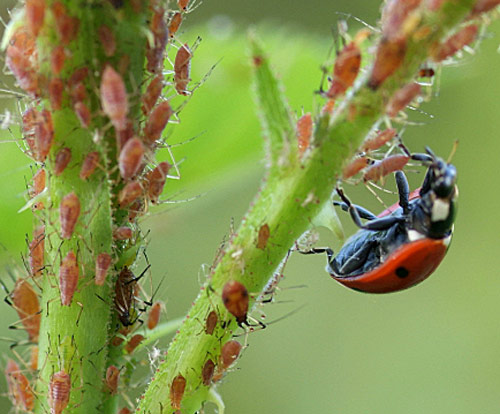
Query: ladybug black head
point(440, 178)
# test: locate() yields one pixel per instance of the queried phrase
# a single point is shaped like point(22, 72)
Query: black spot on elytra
point(402, 272)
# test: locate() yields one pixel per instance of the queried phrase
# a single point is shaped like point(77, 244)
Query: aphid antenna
point(179, 201)
point(350, 16)
point(383, 189)
point(376, 195)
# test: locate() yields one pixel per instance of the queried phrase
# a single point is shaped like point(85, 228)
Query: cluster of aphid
point(102, 98)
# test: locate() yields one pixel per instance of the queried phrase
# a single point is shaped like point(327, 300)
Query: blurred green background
point(431, 349)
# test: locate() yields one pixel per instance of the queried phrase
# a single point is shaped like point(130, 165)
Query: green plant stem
point(288, 203)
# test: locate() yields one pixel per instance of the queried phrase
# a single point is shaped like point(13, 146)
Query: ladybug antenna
point(452, 152)
point(429, 151)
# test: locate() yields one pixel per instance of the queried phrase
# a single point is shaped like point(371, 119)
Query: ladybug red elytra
point(402, 246)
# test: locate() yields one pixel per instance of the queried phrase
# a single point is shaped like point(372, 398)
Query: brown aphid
point(25, 301)
point(114, 99)
point(137, 208)
point(44, 134)
point(154, 315)
point(59, 391)
point(102, 263)
point(39, 182)
point(69, 211)
point(131, 192)
point(177, 391)
point(124, 135)
point(155, 52)
point(19, 387)
point(122, 233)
point(131, 156)
point(107, 38)
point(375, 142)
point(152, 94)
point(263, 236)
point(304, 132)
point(207, 372)
point(156, 180)
point(183, 4)
point(125, 287)
point(78, 76)
point(382, 168)
point(78, 92)
point(182, 68)
point(175, 23)
point(229, 353)
point(112, 378)
point(63, 157)
point(456, 42)
point(57, 59)
point(89, 165)
point(68, 278)
point(354, 167)
point(133, 343)
point(402, 98)
point(35, 13)
point(395, 15)
point(21, 57)
point(156, 122)
point(125, 410)
point(235, 298)
point(389, 57)
point(328, 107)
point(83, 114)
point(56, 89)
point(66, 26)
point(211, 322)
point(37, 250)
point(34, 357)
point(345, 70)
point(483, 6)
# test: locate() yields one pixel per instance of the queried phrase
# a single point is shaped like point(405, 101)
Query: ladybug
point(404, 244)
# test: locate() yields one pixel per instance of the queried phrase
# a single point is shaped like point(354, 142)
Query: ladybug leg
point(362, 212)
point(403, 191)
point(379, 224)
point(355, 261)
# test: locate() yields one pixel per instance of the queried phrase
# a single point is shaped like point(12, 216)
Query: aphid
point(83, 114)
point(78, 76)
point(112, 378)
point(152, 94)
point(69, 211)
point(345, 70)
point(235, 298)
point(38, 185)
point(401, 98)
point(20, 57)
point(155, 52)
point(382, 168)
point(182, 67)
point(133, 343)
point(131, 156)
point(175, 23)
point(183, 4)
point(125, 410)
point(456, 42)
point(102, 263)
point(63, 157)
point(328, 107)
point(78, 92)
point(154, 315)
point(19, 387)
point(389, 57)
point(156, 180)
point(229, 353)
point(211, 322)
point(483, 6)
point(304, 132)
point(395, 251)
point(89, 165)
point(59, 391)
point(207, 372)
point(136, 209)
point(56, 89)
point(354, 167)
point(122, 233)
point(434, 5)
point(394, 16)
point(263, 236)
point(177, 391)
point(37, 249)
point(68, 278)
point(375, 142)
point(57, 59)
point(34, 357)
point(66, 26)
point(35, 13)
point(131, 192)
point(114, 99)
point(107, 39)
point(44, 134)
point(25, 301)
point(125, 296)
point(157, 120)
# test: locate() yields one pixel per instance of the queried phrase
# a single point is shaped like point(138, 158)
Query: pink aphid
point(394, 16)
point(304, 132)
point(354, 167)
point(66, 26)
point(63, 157)
point(152, 94)
point(56, 89)
point(69, 211)
point(183, 4)
point(456, 42)
point(131, 192)
point(483, 6)
point(68, 278)
point(131, 156)
point(154, 315)
point(21, 58)
point(156, 180)
point(89, 165)
point(182, 68)
point(102, 264)
point(19, 387)
point(112, 378)
point(177, 391)
point(36, 252)
point(83, 114)
point(133, 343)
point(35, 14)
point(44, 134)
point(402, 98)
point(114, 99)
point(175, 23)
point(38, 186)
point(59, 391)
point(57, 59)
point(157, 121)
point(388, 58)
point(123, 233)
point(380, 169)
point(381, 138)
point(107, 38)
